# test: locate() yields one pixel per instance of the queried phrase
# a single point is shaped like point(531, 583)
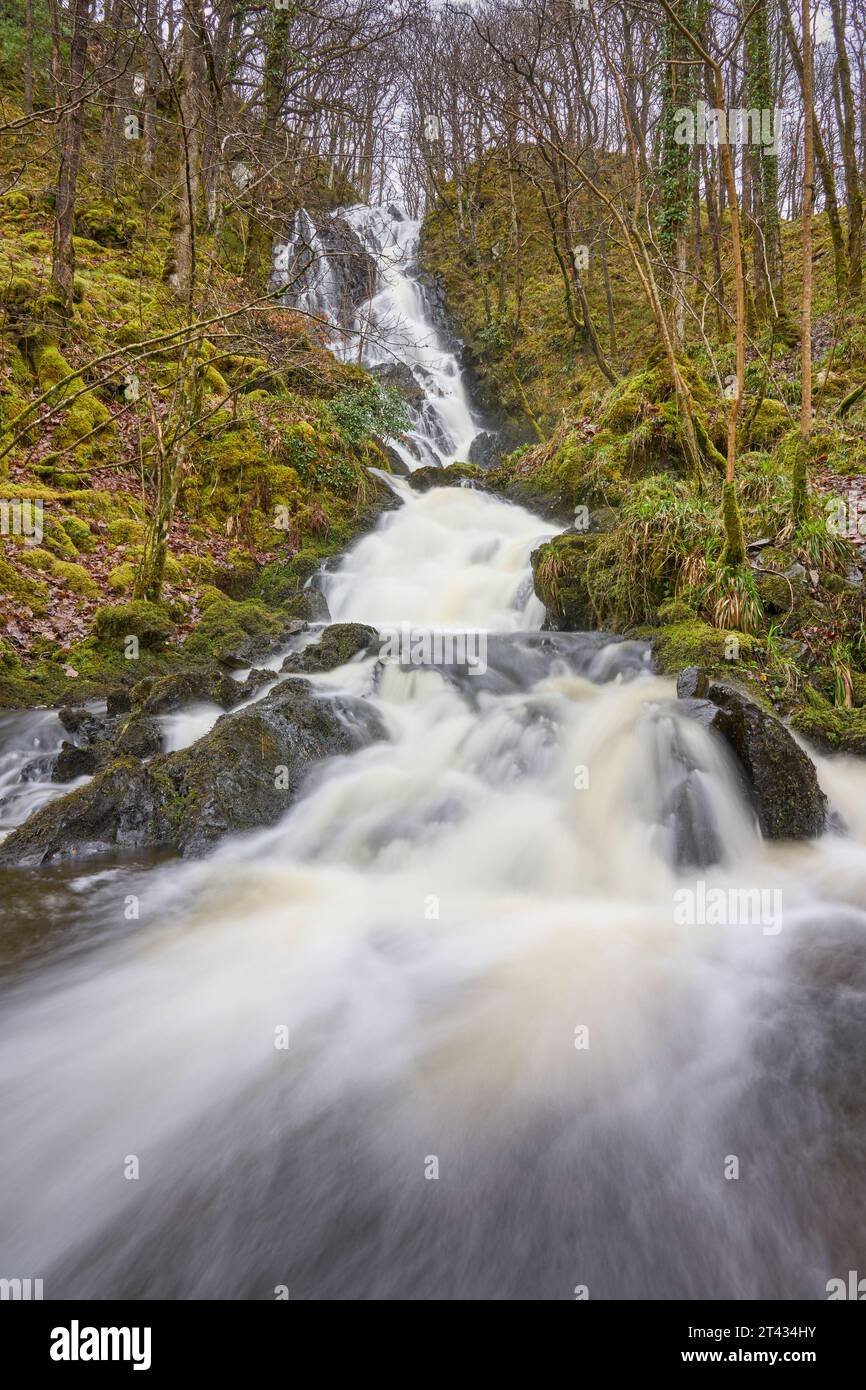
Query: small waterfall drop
point(357, 276)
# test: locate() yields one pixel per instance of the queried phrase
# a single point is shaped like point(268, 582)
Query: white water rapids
point(393, 328)
point(511, 1071)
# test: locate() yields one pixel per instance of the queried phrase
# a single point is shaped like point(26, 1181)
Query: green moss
point(26, 591)
point(57, 539)
point(105, 224)
point(52, 368)
point(208, 595)
point(770, 423)
point(215, 381)
point(560, 572)
point(735, 544)
point(36, 558)
point(126, 531)
point(832, 730)
point(251, 374)
point(675, 611)
point(227, 625)
point(75, 578)
point(199, 569)
point(122, 578)
point(16, 689)
point(146, 621)
point(78, 532)
point(12, 403)
point(696, 643)
point(87, 429)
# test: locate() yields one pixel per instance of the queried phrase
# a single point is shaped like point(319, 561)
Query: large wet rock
point(455, 475)
point(339, 643)
point(353, 270)
point(490, 447)
point(245, 773)
point(163, 694)
point(400, 376)
point(777, 776)
point(86, 751)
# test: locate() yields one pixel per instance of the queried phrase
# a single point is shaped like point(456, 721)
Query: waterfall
point(443, 1032)
point(383, 319)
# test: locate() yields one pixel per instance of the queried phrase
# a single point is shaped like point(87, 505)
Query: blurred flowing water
point(467, 934)
point(394, 332)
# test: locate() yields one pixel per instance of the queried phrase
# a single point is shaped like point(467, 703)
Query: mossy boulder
point(771, 421)
point(146, 621)
point(199, 569)
point(126, 530)
point(75, 578)
point(778, 778)
point(238, 577)
point(36, 558)
point(138, 737)
point(675, 611)
point(122, 578)
point(560, 572)
point(455, 475)
point(245, 773)
point(27, 591)
point(830, 729)
point(52, 369)
point(338, 644)
point(236, 634)
point(162, 694)
point(86, 430)
point(106, 224)
point(250, 374)
point(79, 533)
point(693, 642)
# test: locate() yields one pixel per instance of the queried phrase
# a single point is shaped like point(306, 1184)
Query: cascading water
point(441, 1033)
point(390, 331)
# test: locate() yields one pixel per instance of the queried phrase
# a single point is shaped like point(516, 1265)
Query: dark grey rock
point(338, 644)
point(777, 776)
point(245, 773)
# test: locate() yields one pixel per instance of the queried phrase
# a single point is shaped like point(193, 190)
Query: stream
point(442, 1032)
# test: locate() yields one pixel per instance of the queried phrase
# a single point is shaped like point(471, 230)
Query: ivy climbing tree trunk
point(675, 178)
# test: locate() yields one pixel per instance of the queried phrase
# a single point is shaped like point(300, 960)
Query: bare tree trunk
point(716, 241)
point(190, 153)
point(69, 128)
point(110, 55)
point(28, 60)
point(151, 77)
point(848, 133)
point(824, 161)
point(799, 502)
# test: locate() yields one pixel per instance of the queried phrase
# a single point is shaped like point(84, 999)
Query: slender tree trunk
point(801, 464)
point(152, 78)
point(190, 155)
point(69, 129)
point(28, 60)
point(823, 159)
point(848, 133)
point(735, 553)
point(110, 55)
